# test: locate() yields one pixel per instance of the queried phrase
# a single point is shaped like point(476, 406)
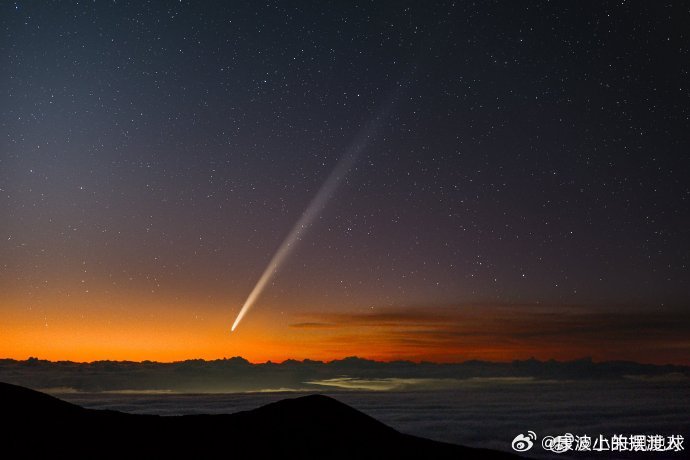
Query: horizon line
point(532, 358)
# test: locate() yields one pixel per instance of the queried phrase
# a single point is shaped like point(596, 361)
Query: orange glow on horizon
point(165, 331)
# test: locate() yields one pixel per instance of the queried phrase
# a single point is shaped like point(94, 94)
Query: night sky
point(525, 191)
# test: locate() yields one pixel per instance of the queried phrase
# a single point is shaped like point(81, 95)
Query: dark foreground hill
point(35, 424)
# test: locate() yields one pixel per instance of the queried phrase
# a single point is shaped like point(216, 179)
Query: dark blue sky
point(536, 152)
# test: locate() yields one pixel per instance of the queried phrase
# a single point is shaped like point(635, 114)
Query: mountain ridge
point(239, 375)
point(313, 426)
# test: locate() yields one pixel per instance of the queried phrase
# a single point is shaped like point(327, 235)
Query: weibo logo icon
point(523, 443)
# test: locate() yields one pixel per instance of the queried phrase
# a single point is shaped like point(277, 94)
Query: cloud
point(313, 325)
point(480, 415)
point(503, 331)
point(237, 376)
point(675, 377)
point(418, 384)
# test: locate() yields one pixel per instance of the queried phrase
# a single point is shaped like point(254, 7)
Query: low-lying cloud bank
point(239, 375)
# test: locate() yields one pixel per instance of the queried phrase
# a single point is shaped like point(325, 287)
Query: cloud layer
point(239, 375)
point(503, 332)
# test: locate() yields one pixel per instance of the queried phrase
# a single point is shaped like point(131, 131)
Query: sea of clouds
point(481, 413)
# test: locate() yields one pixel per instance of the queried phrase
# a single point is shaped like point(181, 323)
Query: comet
point(340, 171)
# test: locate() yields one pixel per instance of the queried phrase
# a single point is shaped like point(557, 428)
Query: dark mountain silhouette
point(315, 426)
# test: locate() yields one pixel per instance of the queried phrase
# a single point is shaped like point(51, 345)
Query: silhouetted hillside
point(308, 427)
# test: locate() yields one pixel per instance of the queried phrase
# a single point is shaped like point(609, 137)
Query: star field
point(155, 154)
